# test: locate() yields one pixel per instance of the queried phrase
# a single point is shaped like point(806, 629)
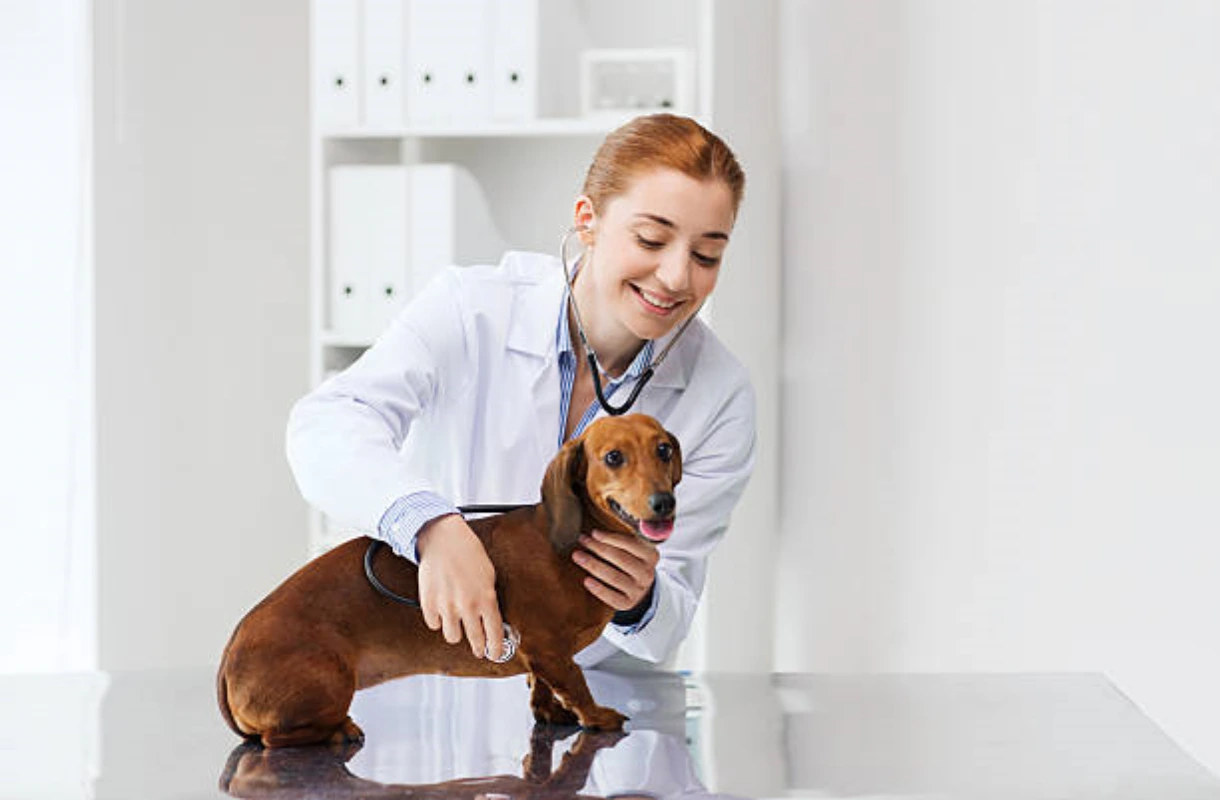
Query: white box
point(384, 60)
point(615, 81)
point(336, 65)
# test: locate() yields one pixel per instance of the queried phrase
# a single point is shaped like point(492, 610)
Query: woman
point(479, 381)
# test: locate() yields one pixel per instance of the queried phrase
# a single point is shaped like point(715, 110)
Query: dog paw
point(347, 736)
point(555, 714)
point(603, 719)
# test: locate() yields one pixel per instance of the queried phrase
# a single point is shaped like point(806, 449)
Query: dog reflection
point(320, 771)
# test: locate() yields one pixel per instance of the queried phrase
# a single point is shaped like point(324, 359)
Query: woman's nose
point(674, 271)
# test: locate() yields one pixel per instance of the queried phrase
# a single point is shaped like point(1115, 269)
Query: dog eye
point(614, 459)
point(665, 451)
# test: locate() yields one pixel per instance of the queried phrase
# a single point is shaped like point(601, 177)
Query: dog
point(294, 662)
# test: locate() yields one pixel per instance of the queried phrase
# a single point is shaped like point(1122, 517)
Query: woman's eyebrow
point(668, 224)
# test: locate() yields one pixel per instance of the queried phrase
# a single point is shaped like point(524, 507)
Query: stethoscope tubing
point(594, 366)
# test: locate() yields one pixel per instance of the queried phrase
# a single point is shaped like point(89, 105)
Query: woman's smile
point(654, 303)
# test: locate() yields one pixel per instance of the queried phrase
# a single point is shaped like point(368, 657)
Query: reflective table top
point(158, 734)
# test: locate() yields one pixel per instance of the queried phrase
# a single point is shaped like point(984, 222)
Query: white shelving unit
point(531, 170)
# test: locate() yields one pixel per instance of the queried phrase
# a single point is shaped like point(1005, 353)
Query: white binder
point(382, 88)
point(470, 36)
point(388, 220)
point(451, 222)
point(367, 255)
point(430, 82)
point(336, 75)
point(514, 57)
point(449, 61)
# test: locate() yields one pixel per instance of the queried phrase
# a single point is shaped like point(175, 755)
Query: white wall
point(1002, 303)
point(46, 475)
point(202, 317)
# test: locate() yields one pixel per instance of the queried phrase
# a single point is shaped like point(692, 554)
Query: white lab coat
point(460, 396)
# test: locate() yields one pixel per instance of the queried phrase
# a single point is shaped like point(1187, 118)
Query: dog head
point(622, 472)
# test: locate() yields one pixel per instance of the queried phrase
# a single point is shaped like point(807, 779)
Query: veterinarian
point(483, 376)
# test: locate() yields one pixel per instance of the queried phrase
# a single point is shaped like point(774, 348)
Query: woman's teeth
point(654, 300)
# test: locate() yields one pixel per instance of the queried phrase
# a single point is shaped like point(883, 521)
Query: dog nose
point(661, 503)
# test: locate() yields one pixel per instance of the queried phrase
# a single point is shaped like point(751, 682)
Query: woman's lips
point(648, 306)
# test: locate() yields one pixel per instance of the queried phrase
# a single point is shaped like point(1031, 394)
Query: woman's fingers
point(624, 567)
point(457, 586)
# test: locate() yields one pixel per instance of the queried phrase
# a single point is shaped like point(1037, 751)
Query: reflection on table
point(452, 737)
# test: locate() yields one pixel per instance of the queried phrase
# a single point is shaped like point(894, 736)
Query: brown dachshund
point(294, 662)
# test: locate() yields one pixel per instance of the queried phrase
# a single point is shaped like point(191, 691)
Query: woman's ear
point(584, 219)
point(562, 488)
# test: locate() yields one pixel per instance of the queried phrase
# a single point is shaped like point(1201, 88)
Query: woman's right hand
point(457, 586)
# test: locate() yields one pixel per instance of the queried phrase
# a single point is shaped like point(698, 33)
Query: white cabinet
point(493, 88)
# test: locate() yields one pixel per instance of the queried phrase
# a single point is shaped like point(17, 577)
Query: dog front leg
point(567, 682)
point(546, 706)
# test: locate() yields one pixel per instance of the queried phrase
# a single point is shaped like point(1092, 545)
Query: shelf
point(332, 339)
point(552, 126)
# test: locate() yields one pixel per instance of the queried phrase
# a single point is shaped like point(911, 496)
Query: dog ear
point(675, 465)
point(563, 506)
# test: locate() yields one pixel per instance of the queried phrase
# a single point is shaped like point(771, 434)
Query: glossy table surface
point(158, 734)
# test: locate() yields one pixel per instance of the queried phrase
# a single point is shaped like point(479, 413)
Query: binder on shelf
point(387, 224)
point(451, 222)
point(469, 56)
point(383, 63)
point(391, 229)
point(367, 235)
point(429, 81)
point(514, 60)
point(336, 73)
point(449, 61)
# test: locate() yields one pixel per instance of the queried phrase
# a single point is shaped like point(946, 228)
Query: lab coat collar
point(535, 317)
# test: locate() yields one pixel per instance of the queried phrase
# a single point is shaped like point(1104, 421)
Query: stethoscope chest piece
point(511, 641)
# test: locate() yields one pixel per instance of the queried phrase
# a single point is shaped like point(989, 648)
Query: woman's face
point(657, 249)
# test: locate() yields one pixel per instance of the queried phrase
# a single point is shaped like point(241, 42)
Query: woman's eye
point(707, 261)
point(614, 459)
point(649, 244)
point(664, 451)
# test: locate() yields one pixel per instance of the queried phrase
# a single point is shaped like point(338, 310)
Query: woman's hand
point(622, 568)
point(457, 586)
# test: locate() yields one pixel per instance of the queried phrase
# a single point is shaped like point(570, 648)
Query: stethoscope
point(511, 638)
point(594, 366)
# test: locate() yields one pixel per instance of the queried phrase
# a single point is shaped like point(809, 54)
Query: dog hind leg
point(311, 708)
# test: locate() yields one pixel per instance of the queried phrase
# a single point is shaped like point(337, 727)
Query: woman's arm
point(344, 437)
point(344, 440)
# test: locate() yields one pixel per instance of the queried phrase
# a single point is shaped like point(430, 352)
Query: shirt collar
point(563, 344)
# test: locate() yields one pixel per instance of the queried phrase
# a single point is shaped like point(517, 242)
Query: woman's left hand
point(622, 568)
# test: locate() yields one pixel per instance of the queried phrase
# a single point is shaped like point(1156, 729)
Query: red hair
point(661, 141)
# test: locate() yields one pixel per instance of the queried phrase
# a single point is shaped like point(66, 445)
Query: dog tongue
point(657, 531)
